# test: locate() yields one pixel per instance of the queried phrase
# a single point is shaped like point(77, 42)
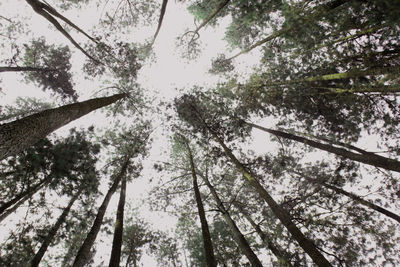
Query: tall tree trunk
point(53, 231)
point(28, 192)
point(352, 196)
point(18, 135)
point(238, 236)
point(279, 254)
point(319, 12)
point(378, 89)
point(118, 229)
point(82, 256)
point(46, 11)
point(370, 159)
point(17, 69)
point(160, 20)
point(308, 246)
point(208, 246)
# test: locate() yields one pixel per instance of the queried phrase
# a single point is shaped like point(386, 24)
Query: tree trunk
point(53, 231)
point(354, 197)
point(22, 200)
point(283, 261)
point(220, 6)
point(160, 20)
point(16, 69)
point(208, 246)
point(318, 13)
point(370, 159)
point(18, 135)
point(118, 229)
point(308, 246)
point(43, 10)
point(238, 236)
point(82, 256)
point(29, 192)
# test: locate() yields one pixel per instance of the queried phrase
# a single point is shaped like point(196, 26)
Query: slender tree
point(53, 231)
point(118, 228)
point(350, 195)
point(17, 135)
point(84, 251)
point(160, 20)
point(369, 158)
point(208, 246)
point(239, 238)
point(48, 12)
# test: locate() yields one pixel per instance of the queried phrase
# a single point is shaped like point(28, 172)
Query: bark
point(53, 231)
point(354, 197)
point(238, 236)
point(43, 10)
point(118, 229)
point(160, 20)
point(18, 135)
point(22, 195)
point(208, 246)
point(318, 13)
point(84, 251)
point(370, 159)
point(16, 69)
point(308, 246)
point(266, 239)
point(379, 89)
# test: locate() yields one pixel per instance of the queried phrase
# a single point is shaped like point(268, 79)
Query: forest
point(195, 133)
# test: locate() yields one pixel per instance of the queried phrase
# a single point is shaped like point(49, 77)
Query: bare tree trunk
point(18, 135)
point(370, 159)
point(84, 251)
point(46, 11)
point(17, 69)
point(238, 236)
point(53, 231)
point(208, 246)
point(308, 246)
point(118, 229)
point(160, 20)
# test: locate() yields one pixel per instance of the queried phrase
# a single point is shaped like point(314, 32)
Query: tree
point(49, 13)
point(20, 134)
point(191, 113)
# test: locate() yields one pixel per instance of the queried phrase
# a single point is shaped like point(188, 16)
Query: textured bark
point(160, 20)
point(22, 195)
point(46, 11)
point(82, 256)
point(370, 159)
point(118, 229)
point(308, 246)
point(208, 246)
point(53, 231)
point(354, 197)
point(319, 12)
point(238, 236)
point(17, 69)
point(18, 135)
point(264, 237)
